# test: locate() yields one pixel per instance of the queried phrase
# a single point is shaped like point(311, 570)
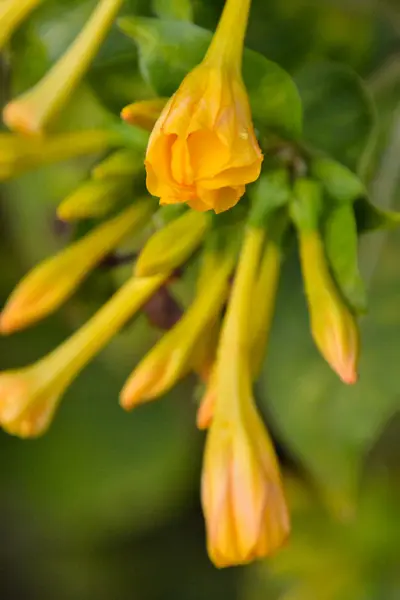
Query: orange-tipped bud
point(178, 350)
point(50, 283)
point(242, 495)
point(203, 149)
point(144, 114)
point(29, 397)
point(333, 325)
point(32, 111)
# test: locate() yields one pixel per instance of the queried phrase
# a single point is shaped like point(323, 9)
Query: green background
point(106, 504)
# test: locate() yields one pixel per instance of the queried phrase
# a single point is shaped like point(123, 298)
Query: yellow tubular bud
point(172, 245)
point(122, 163)
point(206, 408)
point(29, 396)
point(144, 114)
point(93, 199)
point(32, 111)
point(12, 13)
point(264, 299)
point(50, 283)
point(18, 154)
point(173, 356)
point(203, 150)
point(242, 496)
point(334, 327)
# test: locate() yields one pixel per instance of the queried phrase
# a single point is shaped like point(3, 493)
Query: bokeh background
point(106, 504)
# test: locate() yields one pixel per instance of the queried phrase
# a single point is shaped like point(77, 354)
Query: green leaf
point(170, 49)
point(338, 112)
point(271, 191)
point(341, 242)
point(371, 218)
point(181, 10)
point(339, 182)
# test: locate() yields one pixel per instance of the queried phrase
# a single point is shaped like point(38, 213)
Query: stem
point(12, 13)
point(227, 43)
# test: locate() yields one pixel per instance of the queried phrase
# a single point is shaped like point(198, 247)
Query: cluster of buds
point(201, 156)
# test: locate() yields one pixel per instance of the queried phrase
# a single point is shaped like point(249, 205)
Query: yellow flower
point(333, 326)
point(144, 114)
point(50, 283)
point(203, 149)
point(242, 496)
point(29, 396)
point(31, 112)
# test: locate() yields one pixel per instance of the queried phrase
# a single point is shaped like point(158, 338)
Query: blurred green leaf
point(170, 49)
point(181, 10)
point(372, 218)
point(338, 181)
point(341, 242)
point(338, 111)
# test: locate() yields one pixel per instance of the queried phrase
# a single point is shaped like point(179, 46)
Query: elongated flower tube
point(30, 396)
point(94, 198)
point(242, 496)
point(18, 154)
point(12, 13)
point(144, 114)
point(334, 327)
point(203, 149)
point(166, 248)
point(45, 288)
point(174, 355)
point(122, 163)
point(34, 109)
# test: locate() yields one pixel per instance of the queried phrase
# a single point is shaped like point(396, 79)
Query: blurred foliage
point(105, 505)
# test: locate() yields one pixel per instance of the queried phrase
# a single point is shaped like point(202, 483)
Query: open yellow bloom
point(203, 149)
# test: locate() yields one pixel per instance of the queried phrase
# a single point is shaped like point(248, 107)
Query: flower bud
point(172, 245)
point(31, 112)
point(18, 154)
point(50, 283)
point(29, 397)
point(94, 198)
point(144, 114)
point(177, 351)
point(334, 327)
point(203, 150)
point(242, 496)
point(122, 163)
point(12, 13)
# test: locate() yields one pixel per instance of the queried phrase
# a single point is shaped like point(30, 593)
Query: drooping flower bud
point(175, 354)
point(48, 285)
point(333, 325)
point(144, 114)
point(169, 247)
point(242, 496)
point(18, 154)
point(32, 111)
point(30, 396)
point(94, 198)
point(203, 149)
